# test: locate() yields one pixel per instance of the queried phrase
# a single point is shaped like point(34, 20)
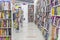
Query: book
point(9, 14)
point(8, 23)
point(0, 23)
point(0, 15)
point(47, 1)
point(56, 22)
point(4, 38)
point(6, 6)
point(52, 11)
point(7, 38)
point(51, 1)
point(58, 10)
point(3, 5)
point(0, 38)
point(55, 11)
point(5, 23)
point(57, 33)
point(58, 1)
point(9, 31)
point(0, 6)
point(5, 32)
point(6, 14)
point(1, 32)
point(53, 35)
point(3, 15)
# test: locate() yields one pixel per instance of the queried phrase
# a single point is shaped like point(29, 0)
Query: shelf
point(5, 19)
point(56, 5)
point(56, 15)
point(5, 36)
point(4, 27)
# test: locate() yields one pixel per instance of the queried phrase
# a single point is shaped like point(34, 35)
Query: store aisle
point(30, 32)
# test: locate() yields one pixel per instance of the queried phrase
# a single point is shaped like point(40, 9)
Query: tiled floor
point(29, 32)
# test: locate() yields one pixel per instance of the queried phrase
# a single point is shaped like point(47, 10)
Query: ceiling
point(30, 1)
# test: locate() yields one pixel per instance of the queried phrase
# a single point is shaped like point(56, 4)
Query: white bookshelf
point(6, 25)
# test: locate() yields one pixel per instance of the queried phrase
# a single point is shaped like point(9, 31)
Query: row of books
point(55, 27)
point(45, 20)
point(4, 5)
point(5, 23)
point(53, 1)
point(5, 20)
point(5, 32)
point(5, 14)
point(56, 11)
point(7, 38)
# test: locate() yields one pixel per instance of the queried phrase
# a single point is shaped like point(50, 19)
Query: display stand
point(5, 20)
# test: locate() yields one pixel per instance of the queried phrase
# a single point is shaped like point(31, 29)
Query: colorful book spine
point(58, 1)
point(2, 24)
point(52, 11)
point(0, 15)
point(53, 33)
point(1, 32)
point(55, 10)
point(0, 38)
point(9, 15)
point(5, 23)
point(7, 38)
point(58, 10)
point(3, 16)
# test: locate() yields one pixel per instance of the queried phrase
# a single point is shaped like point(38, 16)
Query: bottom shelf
point(5, 38)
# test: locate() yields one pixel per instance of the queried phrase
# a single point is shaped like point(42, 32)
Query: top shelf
point(56, 5)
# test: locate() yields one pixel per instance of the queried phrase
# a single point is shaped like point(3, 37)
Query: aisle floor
point(29, 32)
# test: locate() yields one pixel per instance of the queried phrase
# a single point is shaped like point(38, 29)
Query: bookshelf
point(49, 18)
point(44, 17)
point(5, 20)
point(55, 10)
point(30, 13)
